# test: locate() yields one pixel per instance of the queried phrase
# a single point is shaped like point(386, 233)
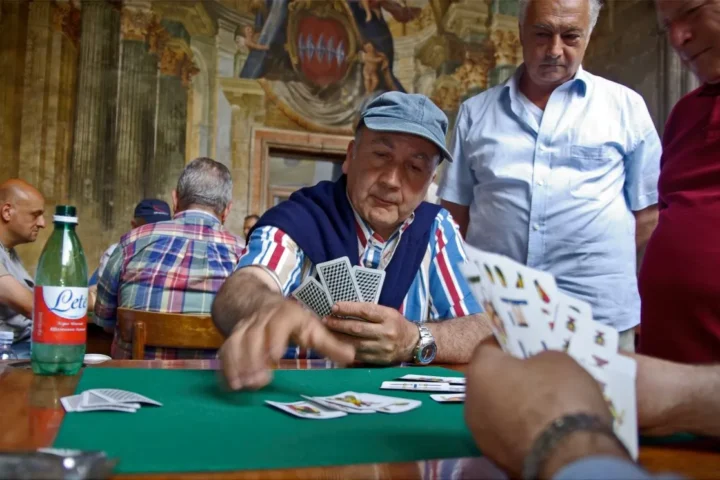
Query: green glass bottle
point(60, 300)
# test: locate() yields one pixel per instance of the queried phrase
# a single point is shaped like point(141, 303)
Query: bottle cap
point(65, 214)
point(6, 336)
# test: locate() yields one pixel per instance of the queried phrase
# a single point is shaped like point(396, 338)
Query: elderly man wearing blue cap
point(375, 216)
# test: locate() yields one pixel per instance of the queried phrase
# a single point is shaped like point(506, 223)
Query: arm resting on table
point(16, 296)
point(677, 398)
point(457, 338)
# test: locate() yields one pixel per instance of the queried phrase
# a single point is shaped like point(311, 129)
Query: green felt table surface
point(200, 427)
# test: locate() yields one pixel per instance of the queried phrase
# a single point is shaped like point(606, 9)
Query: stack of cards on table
point(430, 383)
point(106, 399)
point(339, 282)
point(529, 314)
point(335, 406)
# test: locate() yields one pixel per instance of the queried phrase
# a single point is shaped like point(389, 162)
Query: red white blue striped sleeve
point(273, 249)
point(450, 293)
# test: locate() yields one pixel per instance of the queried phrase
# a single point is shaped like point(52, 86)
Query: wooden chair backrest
point(169, 330)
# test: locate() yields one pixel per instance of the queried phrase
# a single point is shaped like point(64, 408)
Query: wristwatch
point(426, 349)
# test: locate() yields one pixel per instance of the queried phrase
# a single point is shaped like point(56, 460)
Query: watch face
point(427, 354)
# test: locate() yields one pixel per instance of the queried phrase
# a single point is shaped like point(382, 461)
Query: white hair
point(595, 6)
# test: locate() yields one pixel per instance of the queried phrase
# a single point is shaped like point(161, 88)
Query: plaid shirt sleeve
point(449, 291)
point(108, 290)
point(271, 248)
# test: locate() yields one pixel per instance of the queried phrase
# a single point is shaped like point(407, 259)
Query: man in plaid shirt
point(175, 266)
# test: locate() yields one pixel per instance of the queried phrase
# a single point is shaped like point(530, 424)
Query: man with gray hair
point(557, 168)
point(176, 266)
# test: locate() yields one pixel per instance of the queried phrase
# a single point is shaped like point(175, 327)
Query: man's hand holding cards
point(530, 315)
point(346, 297)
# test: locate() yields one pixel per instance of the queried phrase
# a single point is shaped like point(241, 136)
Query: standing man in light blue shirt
point(557, 168)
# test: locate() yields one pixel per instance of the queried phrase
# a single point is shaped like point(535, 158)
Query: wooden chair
point(169, 330)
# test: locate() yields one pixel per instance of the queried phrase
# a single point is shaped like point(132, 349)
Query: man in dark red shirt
point(680, 275)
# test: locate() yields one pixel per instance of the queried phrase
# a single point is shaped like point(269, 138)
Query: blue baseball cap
point(153, 210)
point(408, 113)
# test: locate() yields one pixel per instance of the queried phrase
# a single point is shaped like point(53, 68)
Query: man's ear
point(133, 224)
point(226, 213)
point(6, 211)
point(174, 201)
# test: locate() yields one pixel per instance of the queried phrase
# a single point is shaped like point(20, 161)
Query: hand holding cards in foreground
point(506, 412)
point(530, 315)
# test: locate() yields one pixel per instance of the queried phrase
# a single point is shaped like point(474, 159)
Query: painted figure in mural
point(251, 39)
point(373, 63)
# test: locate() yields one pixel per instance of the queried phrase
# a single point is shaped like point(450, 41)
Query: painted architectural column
point(176, 71)
point(247, 99)
point(13, 24)
point(137, 89)
point(90, 181)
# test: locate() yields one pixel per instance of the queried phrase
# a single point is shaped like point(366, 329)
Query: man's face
point(24, 216)
point(693, 28)
point(248, 224)
point(554, 37)
point(388, 176)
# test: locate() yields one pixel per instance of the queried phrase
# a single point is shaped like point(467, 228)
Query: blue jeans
point(22, 350)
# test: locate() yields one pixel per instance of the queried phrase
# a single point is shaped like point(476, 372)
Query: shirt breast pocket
point(587, 159)
point(591, 172)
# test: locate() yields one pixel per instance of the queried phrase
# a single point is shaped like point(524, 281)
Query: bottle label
point(60, 315)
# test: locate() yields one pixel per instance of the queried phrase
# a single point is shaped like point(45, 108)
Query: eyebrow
point(558, 28)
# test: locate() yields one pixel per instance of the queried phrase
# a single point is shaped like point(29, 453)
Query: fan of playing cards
point(341, 282)
point(529, 314)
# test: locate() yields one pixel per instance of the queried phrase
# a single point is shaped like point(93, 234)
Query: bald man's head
point(21, 212)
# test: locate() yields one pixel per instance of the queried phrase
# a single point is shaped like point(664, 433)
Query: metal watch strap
point(556, 432)
point(424, 335)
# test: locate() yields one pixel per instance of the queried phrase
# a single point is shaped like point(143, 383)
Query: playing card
point(71, 403)
point(123, 396)
point(391, 404)
point(444, 398)
point(337, 278)
point(617, 382)
point(433, 378)
point(305, 409)
point(621, 397)
point(573, 317)
point(596, 346)
point(314, 296)
point(335, 406)
point(423, 387)
point(92, 400)
point(354, 400)
point(370, 282)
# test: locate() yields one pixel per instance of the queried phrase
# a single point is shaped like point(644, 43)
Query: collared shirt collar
point(197, 214)
point(582, 79)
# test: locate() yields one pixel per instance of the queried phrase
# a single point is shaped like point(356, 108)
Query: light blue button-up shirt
point(559, 196)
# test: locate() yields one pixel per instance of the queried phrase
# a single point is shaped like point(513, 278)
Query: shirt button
point(540, 183)
point(536, 226)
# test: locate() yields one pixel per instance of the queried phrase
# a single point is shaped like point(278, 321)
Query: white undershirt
point(534, 111)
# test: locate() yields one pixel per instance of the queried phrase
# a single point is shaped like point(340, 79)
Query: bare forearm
point(645, 223)
point(15, 296)
point(240, 296)
point(674, 397)
point(456, 339)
